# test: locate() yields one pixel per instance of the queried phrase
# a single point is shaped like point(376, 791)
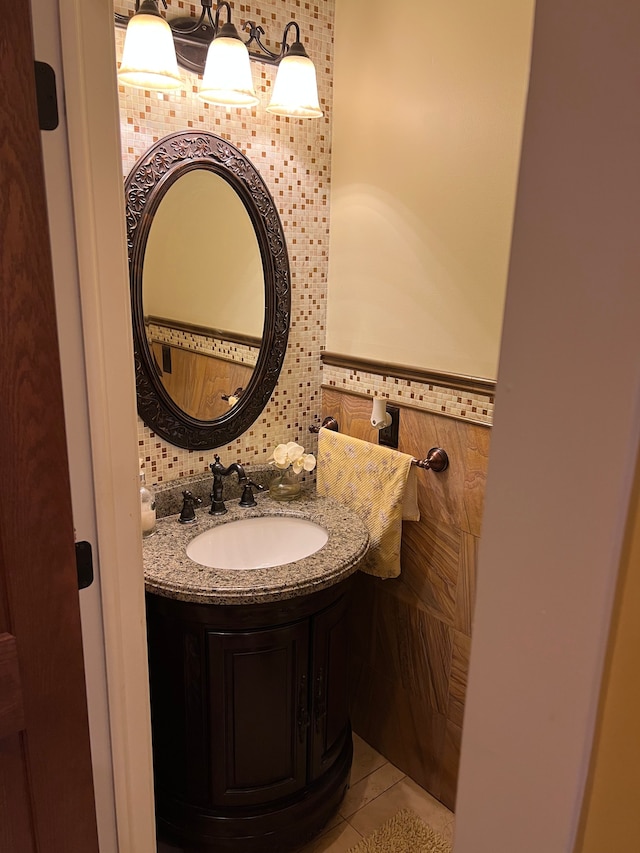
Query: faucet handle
point(189, 503)
point(216, 466)
point(217, 503)
point(247, 498)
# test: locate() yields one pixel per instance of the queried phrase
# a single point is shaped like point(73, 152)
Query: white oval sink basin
point(257, 543)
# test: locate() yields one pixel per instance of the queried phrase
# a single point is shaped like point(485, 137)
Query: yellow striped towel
point(375, 483)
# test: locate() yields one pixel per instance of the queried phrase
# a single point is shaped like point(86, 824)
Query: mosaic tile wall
point(465, 405)
point(203, 343)
point(293, 156)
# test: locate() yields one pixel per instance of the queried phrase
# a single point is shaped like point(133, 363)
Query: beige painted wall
point(429, 102)
point(202, 262)
point(611, 820)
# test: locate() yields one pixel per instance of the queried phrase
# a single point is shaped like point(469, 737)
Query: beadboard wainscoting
point(411, 636)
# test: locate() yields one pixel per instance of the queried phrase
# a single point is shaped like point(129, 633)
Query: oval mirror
point(203, 313)
point(210, 289)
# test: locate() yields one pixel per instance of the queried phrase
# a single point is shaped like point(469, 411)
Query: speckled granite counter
point(170, 573)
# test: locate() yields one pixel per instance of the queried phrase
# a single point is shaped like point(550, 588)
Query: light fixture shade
point(295, 92)
point(227, 77)
point(149, 56)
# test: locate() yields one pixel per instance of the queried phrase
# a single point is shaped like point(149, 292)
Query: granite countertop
point(170, 573)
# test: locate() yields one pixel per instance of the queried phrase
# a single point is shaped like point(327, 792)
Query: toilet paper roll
point(380, 418)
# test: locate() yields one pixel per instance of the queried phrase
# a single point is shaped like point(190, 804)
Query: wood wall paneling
point(461, 651)
point(197, 381)
point(466, 586)
point(411, 636)
point(441, 495)
point(475, 445)
point(430, 559)
point(450, 762)
point(353, 414)
point(412, 646)
point(399, 726)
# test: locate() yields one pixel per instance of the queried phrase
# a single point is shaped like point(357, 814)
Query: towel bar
point(327, 423)
point(436, 459)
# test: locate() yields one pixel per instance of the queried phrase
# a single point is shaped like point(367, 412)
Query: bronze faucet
point(219, 471)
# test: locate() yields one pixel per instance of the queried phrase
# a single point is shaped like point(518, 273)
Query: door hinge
point(46, 96)
point(84, 564)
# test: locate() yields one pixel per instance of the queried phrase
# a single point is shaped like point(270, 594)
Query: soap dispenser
point(147, 507)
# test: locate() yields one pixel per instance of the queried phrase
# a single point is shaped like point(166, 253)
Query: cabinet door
point(330, 702)
point(259, 713)
point(177, 676)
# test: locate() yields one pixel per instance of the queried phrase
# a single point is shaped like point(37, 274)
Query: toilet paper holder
point(436, 459)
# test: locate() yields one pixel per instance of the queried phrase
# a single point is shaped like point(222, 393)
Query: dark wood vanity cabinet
point(258, 696)
point(251, 734)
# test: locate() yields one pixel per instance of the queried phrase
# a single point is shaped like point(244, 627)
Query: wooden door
point(46, 786)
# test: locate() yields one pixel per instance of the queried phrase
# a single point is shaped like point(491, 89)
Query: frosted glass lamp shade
point(227, 77)
point(295, 92)
point(149, 56)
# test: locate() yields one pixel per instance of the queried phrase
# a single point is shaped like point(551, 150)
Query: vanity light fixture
point(216, 51)
point(295, 92)
point(149, 57)
point(227, 71)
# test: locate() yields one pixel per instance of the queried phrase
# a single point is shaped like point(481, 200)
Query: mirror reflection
point(210, 289)
point(203, 294)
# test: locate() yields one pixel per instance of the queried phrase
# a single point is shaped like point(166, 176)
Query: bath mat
point(403, 833)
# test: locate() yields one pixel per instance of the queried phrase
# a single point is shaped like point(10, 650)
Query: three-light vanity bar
point(154, 47)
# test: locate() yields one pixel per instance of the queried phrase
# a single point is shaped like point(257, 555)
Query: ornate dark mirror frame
point(145, 187)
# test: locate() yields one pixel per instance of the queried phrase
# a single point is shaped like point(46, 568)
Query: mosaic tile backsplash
point(206, 344)
point(293, 157)
point(452, 402)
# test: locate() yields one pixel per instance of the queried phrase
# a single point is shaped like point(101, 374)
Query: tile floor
point(377, 791)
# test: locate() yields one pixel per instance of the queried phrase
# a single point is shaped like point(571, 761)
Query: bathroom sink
point(257, 543)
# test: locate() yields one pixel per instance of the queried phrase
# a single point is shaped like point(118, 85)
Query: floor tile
point(404, 794)
point(365, 759)
point(338, 840)
point(369, 788)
